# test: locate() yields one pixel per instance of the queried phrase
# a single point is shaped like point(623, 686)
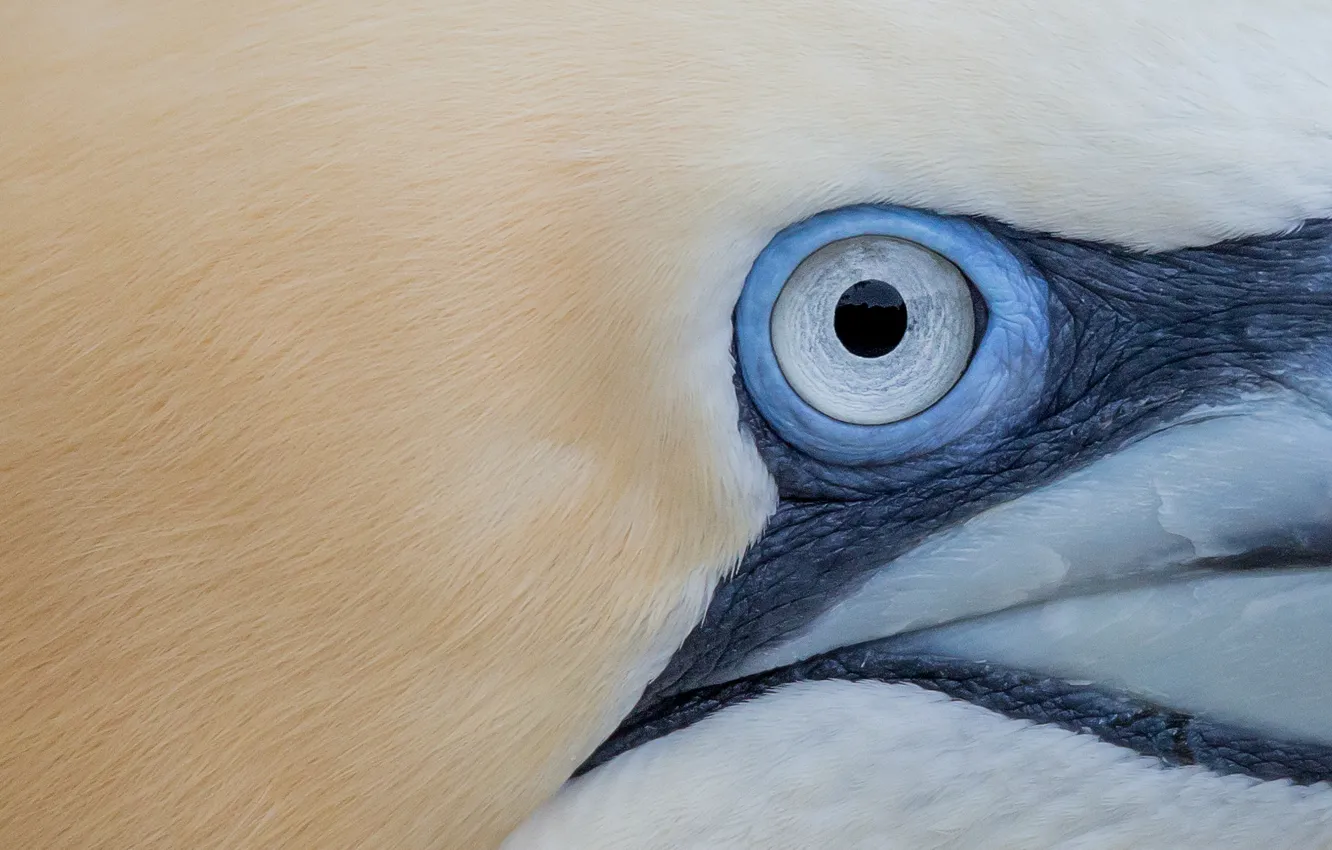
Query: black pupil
point(871, 318)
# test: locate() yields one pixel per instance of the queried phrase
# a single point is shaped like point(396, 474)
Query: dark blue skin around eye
point(1114, 346)
point(998, 387)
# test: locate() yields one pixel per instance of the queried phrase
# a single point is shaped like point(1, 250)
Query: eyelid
point(1004, 377)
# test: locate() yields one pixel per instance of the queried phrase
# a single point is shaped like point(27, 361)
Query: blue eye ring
point(1000, 384)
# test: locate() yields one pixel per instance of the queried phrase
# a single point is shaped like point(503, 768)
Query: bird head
point(809, 424)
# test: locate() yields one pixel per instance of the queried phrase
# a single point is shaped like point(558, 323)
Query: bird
point(454, 425)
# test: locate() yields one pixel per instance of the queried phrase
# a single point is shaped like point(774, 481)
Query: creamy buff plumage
point(367, 437)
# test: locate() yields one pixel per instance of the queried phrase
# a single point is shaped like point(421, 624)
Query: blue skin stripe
point(998, 386)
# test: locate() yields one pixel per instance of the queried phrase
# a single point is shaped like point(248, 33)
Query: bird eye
point(870, 333)
point(873, 329)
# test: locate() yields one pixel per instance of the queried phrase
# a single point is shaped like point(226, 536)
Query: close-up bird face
point(850, 424)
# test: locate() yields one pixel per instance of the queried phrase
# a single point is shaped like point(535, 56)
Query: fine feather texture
point(366, 430)
point(872, 766)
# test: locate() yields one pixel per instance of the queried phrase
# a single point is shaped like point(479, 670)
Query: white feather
point(872, 766)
